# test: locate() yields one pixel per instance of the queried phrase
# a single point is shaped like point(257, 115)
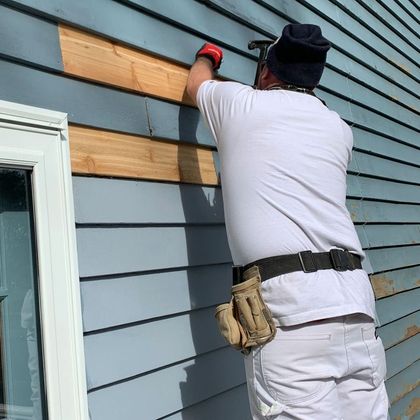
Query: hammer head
point(262, 45)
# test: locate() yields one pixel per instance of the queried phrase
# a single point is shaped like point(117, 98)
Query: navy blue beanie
point(298, 56)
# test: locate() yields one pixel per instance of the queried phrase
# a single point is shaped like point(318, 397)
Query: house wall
point(153, 255)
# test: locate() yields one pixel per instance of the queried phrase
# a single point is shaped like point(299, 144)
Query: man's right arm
point(208, 59)
point(201, 71)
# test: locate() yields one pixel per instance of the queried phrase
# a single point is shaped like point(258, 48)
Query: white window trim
point(59, 289)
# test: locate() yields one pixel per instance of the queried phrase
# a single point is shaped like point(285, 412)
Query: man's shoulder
point(222, 88)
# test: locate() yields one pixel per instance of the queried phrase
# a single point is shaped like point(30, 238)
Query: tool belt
point(246, 321)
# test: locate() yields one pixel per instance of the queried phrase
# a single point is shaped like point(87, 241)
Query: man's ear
point(263, 78)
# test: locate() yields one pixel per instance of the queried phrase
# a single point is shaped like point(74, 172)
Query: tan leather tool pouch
point(246, 321)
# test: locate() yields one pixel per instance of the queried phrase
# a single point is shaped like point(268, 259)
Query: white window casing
point(37, 139)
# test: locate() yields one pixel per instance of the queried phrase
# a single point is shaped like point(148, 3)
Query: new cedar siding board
point(153, 255)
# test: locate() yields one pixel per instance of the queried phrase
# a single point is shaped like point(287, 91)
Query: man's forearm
point(200, 71)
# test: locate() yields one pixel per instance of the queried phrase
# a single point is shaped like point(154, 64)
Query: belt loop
point(351, 263)
point(307, 262)
point(337, 259)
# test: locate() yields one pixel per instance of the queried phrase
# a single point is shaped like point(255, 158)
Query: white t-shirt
point(283, 158)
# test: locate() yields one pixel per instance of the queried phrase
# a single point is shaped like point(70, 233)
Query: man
point(284, 157)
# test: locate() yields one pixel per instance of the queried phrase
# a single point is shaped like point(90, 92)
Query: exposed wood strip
point(95, 58)
point(99, 152)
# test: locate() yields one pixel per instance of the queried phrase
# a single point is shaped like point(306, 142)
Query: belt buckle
point(337, 259)
point(309, 266)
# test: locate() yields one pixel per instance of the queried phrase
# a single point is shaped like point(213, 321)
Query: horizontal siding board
point(402, 383)
point(101, 200)
point(363, 211)
point(182, 385)
point(177, 122)
point(402, 355)
point(393, 258)
point(391, 235)
point(396, 281)
point(106, 153)
point(127, 352)
point(353, 186)
point(394, 307)
point(356, 210)
point(400, 330)
point(85, 103)
point(138, 298)
point(408, 408)
point(379, 189)
point(217, 407)
point(370, 142)
point(149, 248)
point(376, 166)
point(29, 39)
point(374, 121)
point(362, 236)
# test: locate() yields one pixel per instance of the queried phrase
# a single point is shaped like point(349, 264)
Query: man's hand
point(213, 53)
point(208, 58)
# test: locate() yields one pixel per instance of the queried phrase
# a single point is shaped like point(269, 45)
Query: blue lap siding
point(153, 256)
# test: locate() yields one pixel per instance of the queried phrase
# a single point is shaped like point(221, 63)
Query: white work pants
point(322, 370)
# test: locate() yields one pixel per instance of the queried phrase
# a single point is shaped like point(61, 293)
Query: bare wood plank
point(95, 58)
point(99, 152)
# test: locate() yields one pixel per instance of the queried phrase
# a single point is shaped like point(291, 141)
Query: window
point(42, 372)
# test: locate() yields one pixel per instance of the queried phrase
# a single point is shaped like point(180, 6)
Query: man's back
point(284, 157)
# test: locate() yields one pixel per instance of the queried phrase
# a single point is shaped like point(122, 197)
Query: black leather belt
point(306, 261)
